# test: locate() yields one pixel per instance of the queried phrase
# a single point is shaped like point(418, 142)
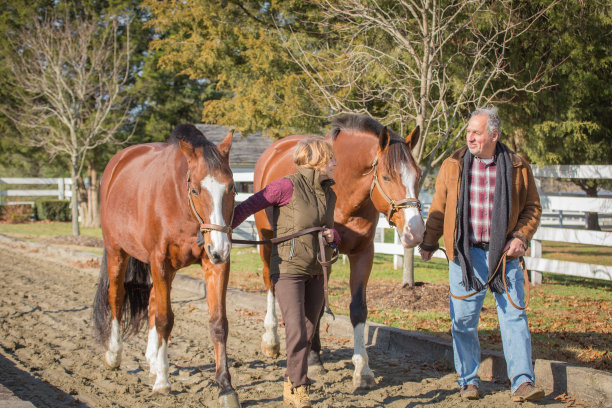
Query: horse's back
point(127, 159)
point(276, 161)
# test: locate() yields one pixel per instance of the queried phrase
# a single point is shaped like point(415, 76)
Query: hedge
point(53, 210)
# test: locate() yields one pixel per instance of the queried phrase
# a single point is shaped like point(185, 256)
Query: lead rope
point(321, 259)
point(325, 265)
point(502, 262)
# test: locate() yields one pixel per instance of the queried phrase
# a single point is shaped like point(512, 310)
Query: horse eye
point(194, 192)
point(386, 178)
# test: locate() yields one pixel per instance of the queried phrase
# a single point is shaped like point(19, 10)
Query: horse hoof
point(365, 382)
point(271, 351)
point(229, 400)
point(315, 365)
point(161, 389)
point(114, 365)
point(316, 370)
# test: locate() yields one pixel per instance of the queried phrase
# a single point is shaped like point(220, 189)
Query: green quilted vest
point(312, 205)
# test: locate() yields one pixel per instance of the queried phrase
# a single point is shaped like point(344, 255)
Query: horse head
point(395, 185)
point(211, 193)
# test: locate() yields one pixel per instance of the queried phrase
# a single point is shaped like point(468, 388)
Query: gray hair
point(493, 122)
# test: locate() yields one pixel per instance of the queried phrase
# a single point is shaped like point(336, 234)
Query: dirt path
point(48, 356)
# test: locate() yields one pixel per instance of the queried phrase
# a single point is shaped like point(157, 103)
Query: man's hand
point(515, 248)
point(329, 235)
point(426, 255)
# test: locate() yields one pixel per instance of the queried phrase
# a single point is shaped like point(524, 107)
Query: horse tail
point(101, 308)
point(137, 286)
point(136, 302)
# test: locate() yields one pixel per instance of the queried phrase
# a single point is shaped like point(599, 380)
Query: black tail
point(137, 286)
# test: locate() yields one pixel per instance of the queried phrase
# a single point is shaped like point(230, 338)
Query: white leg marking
point(151, 353)
point(270, 343)
point(161, 382)
point(220, 241)
point(414, 227)
point(362, 375)
point(270, 336)
point(113, 354)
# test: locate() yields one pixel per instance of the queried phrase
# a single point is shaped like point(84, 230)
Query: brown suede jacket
point(442, 219)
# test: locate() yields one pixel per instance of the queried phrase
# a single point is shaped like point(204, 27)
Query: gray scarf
point(502, 202)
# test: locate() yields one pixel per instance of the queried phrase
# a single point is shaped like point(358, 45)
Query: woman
point(301, 200)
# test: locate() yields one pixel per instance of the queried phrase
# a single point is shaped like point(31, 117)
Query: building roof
point(245, 149)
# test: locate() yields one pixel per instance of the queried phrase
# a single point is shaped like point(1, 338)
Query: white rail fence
point(559, 210)
point(61, 189)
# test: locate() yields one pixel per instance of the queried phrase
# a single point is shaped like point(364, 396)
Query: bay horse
point(164, 206)
point(375, 173)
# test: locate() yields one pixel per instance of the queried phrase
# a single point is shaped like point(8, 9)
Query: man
point(486, 203)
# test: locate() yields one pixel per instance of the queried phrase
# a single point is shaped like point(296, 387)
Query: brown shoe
point(469, 392)
point(527, 392)
point(296, 397)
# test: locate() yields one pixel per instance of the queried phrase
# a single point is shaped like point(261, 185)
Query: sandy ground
point(48, 355)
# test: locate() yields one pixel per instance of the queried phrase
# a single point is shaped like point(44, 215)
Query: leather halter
point(393, 204)
point(204, 227)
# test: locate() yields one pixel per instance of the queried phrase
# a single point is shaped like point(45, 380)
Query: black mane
point(190, 134)
point(398, 151)
point(357, 122)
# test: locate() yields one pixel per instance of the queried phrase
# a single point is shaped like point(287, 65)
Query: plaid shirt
point(482, 189)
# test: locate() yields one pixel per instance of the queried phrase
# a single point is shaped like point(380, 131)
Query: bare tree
point(428, 62)
point(69, 77)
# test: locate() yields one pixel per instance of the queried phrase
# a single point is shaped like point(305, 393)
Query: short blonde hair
point(313, 153)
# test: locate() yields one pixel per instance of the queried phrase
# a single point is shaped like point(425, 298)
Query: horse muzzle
point(413, 231)
point(217, 256)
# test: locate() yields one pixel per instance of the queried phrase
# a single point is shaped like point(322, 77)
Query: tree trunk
point(592, 217)
point(93, 197)
point(75, 198)
point(82, 189)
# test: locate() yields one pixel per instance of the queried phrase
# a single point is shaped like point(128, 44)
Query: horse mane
point(398, 151)
point(357, 122)
point(190, 134)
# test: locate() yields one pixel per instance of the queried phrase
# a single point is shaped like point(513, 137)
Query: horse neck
point(355, 153)
point(172, 181)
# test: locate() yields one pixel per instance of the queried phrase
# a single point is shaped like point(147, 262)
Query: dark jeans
point(301, 302)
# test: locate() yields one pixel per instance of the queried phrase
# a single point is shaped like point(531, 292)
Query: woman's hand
point(329, 235)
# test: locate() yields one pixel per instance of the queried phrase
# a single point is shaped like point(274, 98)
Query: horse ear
point(413, 138)
point(188, 150)
point(226, 144)
point(384, 138)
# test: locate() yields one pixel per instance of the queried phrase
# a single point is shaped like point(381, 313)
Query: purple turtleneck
point(278, 193)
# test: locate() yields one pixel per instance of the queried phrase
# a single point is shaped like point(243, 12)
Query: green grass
point(45, 228)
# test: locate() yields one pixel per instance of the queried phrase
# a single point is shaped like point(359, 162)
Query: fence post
point(61, 187)
point(408, 276)
point(536, 252)
point(397, 259)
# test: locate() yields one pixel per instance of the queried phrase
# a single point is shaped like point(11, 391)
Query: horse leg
point(361, 266)
point(216, 288)
point(315, 365)
point(153, 339)
point(164, 321)
point(270, 343)
point(116, 267)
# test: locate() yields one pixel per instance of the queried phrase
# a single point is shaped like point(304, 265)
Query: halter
point(393, 205)
point(204, 227)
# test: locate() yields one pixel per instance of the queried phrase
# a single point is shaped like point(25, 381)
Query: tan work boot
point(527, 392)
point(469, 392)
point(297, 397)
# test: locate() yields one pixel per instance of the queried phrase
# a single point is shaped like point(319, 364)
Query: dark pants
point(301, 301)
